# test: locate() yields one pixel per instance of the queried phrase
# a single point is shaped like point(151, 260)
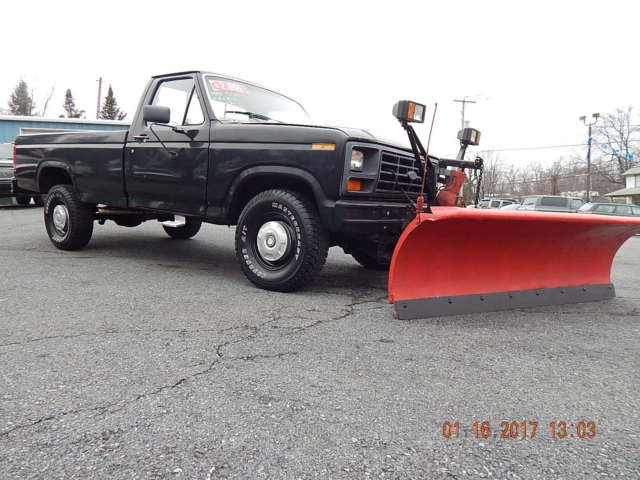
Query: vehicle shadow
point(216, 257)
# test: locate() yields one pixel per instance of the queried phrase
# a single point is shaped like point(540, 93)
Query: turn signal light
point(354, 185)
point(323, 146)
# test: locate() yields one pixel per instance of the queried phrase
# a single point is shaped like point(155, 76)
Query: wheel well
point(50, 176)
point(259, 183)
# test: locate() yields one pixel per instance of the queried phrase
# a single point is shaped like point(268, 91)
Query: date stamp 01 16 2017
point(519, 430)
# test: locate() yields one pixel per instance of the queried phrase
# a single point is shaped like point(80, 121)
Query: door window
point(623, 210)
point(576, 204)
point(181, 98)
point(194, 115)
point(554, 201)
point(636, 210)
point(605, 208)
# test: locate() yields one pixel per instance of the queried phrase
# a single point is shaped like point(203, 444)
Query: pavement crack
point(348, 310)
point(253, 358)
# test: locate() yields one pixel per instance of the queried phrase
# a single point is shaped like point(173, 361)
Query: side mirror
point(156, 114)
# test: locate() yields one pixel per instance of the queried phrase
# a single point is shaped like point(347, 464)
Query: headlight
point(357, 160)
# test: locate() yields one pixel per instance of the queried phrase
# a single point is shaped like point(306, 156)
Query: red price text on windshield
point(228, 87)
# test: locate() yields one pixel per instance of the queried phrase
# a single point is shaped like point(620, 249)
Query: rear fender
point(46, 164)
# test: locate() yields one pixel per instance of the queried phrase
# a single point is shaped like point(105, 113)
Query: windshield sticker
point(221, 86)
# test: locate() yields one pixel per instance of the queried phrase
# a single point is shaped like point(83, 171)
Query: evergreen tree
point(110, 109)
point(21, 100)
point(69, 106)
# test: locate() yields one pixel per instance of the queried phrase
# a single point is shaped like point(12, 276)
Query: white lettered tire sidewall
point(307, 248)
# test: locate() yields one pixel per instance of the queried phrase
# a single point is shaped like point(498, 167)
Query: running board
point(491, 302)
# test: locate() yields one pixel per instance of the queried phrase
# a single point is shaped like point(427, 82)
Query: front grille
point(394, 174)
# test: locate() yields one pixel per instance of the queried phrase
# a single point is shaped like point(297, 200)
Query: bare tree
point(616, 137)
point(46, 103)
point(555, 172)
point(492, 175)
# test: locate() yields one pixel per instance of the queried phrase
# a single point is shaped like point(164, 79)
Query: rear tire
point(68, 221)
point(370, 262)
point(281, 244)
point(189, 229)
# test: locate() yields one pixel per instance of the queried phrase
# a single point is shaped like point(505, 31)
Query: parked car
point(8, 187)
point(551, 203)
point(497, 202)
point(618, 209)
point(512, 206)
point(6, 170)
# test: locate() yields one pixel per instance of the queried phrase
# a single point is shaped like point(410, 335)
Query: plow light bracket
point(409, 111)
point(469, 136)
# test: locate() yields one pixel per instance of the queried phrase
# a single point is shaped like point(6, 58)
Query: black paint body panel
point(93, 160)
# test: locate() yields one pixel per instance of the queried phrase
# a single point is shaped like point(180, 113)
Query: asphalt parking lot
point(145, 357)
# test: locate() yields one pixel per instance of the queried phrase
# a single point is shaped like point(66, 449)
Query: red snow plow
point(452, 260)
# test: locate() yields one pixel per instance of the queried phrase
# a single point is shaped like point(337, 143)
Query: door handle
point(141, 138)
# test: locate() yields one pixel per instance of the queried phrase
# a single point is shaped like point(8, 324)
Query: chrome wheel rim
point(60, 218)
point(273, 241)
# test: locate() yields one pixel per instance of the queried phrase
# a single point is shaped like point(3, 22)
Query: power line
point(542, 147)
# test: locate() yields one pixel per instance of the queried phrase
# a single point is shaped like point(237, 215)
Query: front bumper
point(6, 187)
point(359, 216)
point(9, 188)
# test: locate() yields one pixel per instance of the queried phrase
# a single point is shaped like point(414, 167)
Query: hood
point(298, 133)
point(366, 136)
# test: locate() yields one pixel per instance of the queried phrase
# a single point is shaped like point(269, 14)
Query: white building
point(631, 192)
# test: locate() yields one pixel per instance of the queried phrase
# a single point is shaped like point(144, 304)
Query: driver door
point(173, 176)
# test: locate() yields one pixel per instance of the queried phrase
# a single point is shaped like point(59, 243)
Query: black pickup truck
point(210, 148)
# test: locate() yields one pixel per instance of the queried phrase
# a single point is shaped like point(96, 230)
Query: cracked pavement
point(145, 357)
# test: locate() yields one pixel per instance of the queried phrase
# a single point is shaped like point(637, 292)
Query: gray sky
point(534, 67)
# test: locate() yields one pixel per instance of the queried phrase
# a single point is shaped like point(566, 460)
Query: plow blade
point(458, 260)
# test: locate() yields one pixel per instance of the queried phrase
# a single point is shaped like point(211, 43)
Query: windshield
point(243, 102)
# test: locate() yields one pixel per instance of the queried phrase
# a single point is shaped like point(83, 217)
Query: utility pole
point(590, 124)
point(99, 97)
point(464, 102)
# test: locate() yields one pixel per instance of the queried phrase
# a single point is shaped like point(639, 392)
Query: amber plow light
point(408, 111)
point(489, 260)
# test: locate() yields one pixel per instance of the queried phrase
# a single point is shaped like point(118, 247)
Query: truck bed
point(94, 159)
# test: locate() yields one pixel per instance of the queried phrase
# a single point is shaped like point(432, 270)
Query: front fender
point(324, 204)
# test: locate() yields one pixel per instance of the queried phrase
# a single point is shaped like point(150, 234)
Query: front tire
point(68, 221)
point(281, 244)
point(189, 229)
